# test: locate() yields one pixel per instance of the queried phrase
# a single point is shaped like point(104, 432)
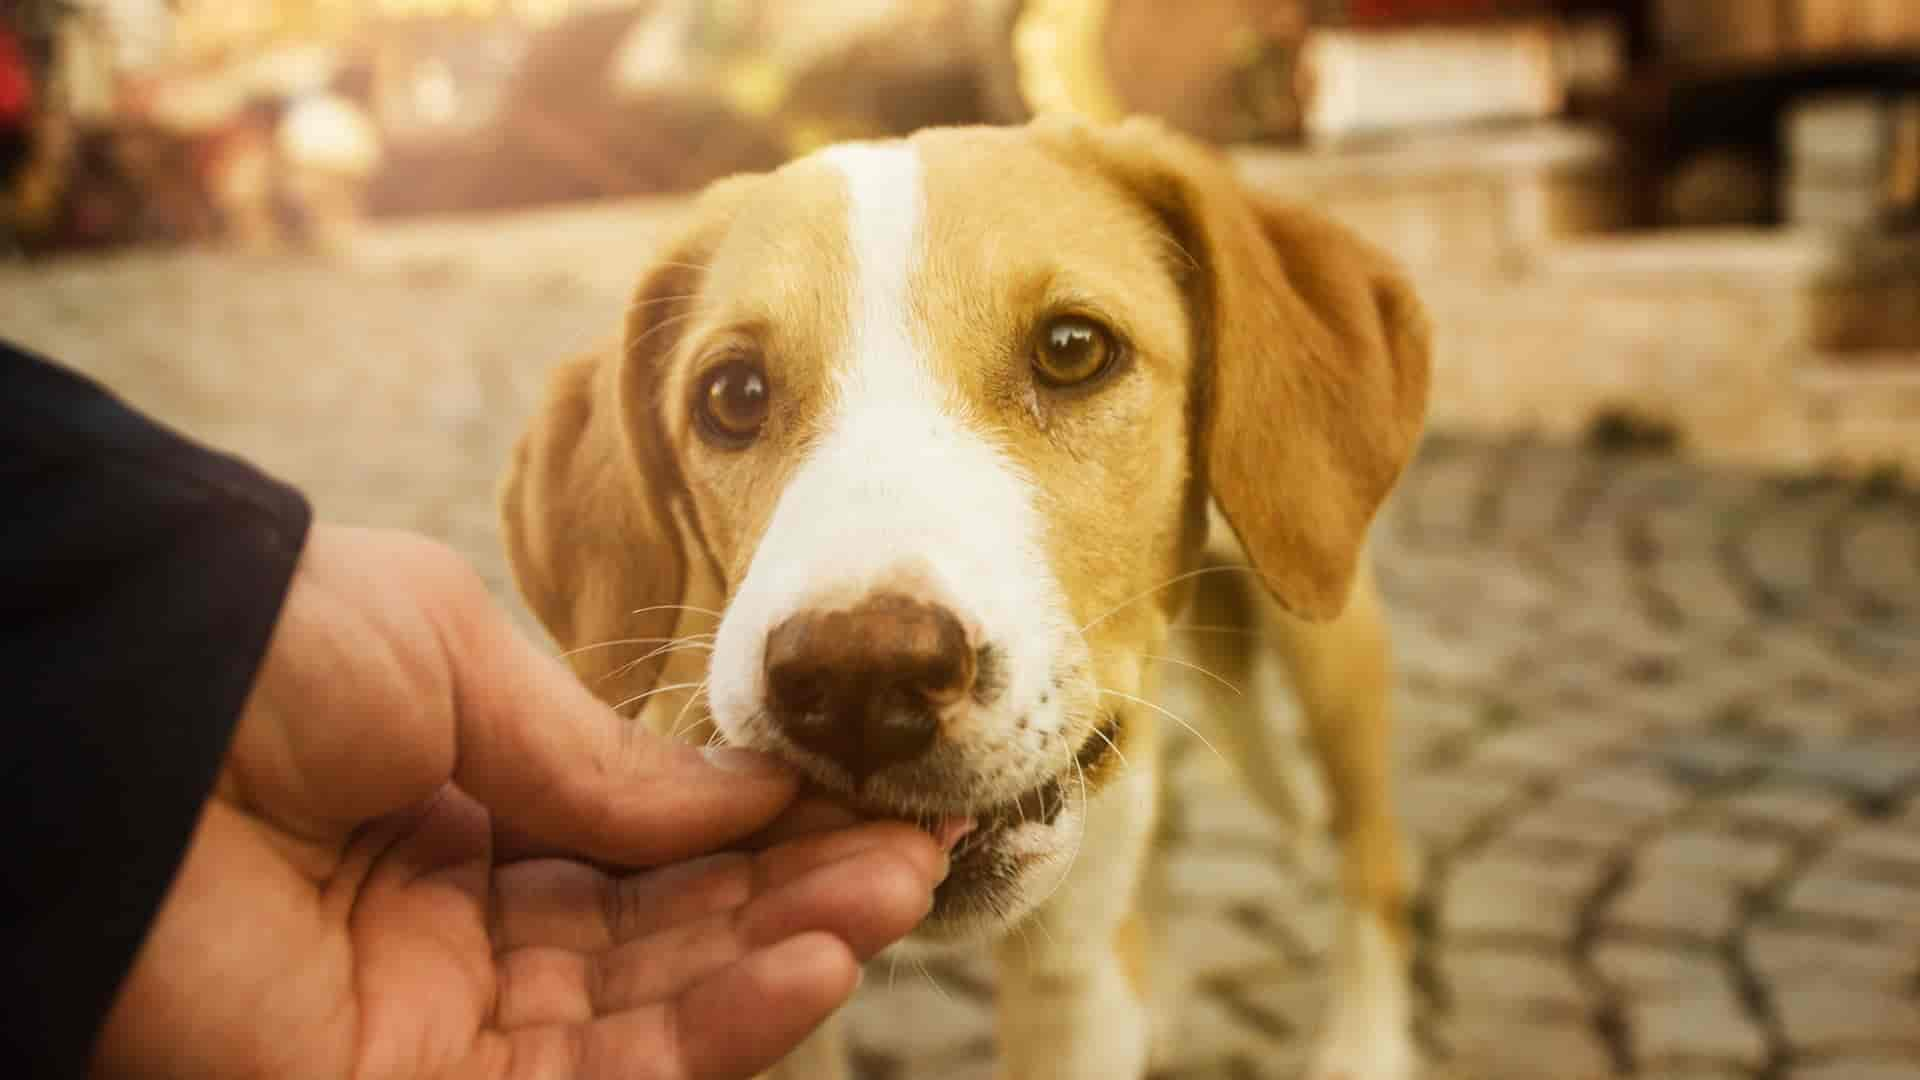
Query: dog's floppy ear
point(587, 505)
point(586, 532)
point(1313, 359)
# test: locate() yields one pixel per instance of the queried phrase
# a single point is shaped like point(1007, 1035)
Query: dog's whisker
point(1044, 932)
point(1048, 934)
point(1169, 583)
point(1169, 240)
point(677, 607)
point(678, 265)
point(650, 301)
point(1079, 840)
point(1190, 666)
point(1086, 815)
point(1080, 835)
point(688, 704)
point(675, 646)
point(676, 317)
point(1163, 711)
point(670, 320)
point(613, 642)
point(659, 652)
point(931, 981)
point(1114, 746)
point(669, 688)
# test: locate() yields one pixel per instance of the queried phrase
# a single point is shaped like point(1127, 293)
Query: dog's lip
point(1042, 803)
point(960, 832)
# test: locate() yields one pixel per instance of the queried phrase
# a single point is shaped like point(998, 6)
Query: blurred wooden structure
point(664, 95)
point(212, 28)
point(1529, 215)
point(1764, 31)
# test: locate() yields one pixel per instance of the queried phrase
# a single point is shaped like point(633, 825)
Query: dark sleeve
point(140, 579)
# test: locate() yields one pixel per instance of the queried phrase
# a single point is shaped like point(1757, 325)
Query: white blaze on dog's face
point(932, 416)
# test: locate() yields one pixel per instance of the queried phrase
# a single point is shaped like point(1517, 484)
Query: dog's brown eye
point(1071, 350)
point(731, 402)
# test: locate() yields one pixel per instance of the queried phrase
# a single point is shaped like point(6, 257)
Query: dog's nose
point(864, 686)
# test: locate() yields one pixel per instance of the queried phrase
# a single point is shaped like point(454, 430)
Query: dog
point(911, 456)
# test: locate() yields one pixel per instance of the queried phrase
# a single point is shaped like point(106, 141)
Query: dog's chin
point(1001, 871)
point(1016, 853)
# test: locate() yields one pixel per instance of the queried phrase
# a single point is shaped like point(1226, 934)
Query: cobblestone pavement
point(1660, 722)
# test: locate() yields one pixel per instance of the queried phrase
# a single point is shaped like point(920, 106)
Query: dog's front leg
point(1073, 979)
point(1343, 675)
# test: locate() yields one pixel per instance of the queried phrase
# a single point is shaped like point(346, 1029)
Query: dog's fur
point(1272, 389)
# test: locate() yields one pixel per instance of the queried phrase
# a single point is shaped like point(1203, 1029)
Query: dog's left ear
point(588, 504)
point(1312, 351)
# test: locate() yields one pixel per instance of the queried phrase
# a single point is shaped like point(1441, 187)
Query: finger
point(543, 986)
point(867, 901)
point(784, 862)
point(739, 1021)
point(570, 905)
point(807, 815)
point(810, 813)
point(558, 767)
point(567, 904)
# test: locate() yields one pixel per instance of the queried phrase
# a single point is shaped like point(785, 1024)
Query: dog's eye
point(731, 402)
point(1072, 349)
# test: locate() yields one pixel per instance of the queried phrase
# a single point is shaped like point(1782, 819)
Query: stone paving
point(1660, 723)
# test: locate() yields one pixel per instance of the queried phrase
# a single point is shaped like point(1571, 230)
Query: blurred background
point(1655, 577)
point(1726, 191)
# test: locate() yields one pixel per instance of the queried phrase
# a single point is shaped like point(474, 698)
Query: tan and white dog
point(906, 466)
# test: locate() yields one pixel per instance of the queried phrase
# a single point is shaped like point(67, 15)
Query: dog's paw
point(1364, 1055)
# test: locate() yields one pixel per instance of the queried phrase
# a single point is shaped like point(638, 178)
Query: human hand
point(347, 908)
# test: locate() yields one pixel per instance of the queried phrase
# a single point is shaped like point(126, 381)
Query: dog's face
point(960, 451)
point(936, 421)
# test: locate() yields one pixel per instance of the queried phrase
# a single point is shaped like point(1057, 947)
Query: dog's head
point(923, 430)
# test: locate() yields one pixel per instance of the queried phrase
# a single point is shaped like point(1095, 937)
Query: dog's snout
point(865, 686)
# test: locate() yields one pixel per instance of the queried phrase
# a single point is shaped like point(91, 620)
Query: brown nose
point(864, 686)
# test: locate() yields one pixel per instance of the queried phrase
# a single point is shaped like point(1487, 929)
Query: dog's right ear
point(587, 534)
point(587, 504)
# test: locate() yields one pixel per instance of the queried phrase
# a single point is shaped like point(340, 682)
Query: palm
point(420, 955)
point(541, 966)
point(426, 977)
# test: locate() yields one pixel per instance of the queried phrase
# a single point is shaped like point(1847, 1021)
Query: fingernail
point(743, 762)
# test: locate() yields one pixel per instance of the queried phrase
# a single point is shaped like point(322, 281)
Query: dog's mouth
point(991, 848)
point(1037, 806)
point(978, 856)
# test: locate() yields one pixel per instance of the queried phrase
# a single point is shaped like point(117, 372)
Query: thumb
point(557, 767)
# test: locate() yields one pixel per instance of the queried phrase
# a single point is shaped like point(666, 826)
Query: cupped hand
point(348, 906)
